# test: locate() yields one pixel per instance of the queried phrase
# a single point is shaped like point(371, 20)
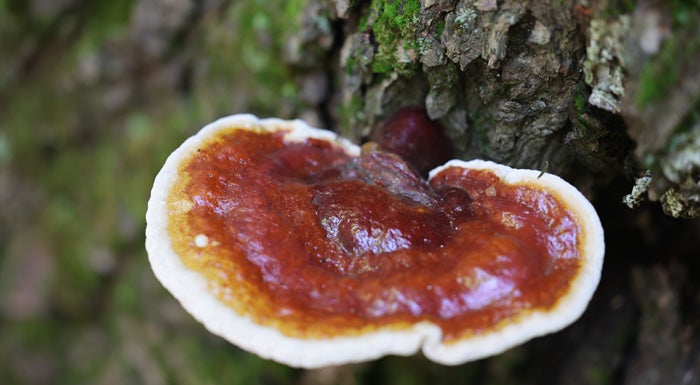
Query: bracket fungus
point(294, 244)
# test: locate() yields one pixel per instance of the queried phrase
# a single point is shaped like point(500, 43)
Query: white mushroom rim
point(190, 288)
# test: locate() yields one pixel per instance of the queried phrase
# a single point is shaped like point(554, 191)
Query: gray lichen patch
point(462, 36)
point(684, 202)
point(676, 170)
point(662, 101)
point(540, 34)
point(506, 79)
point(681, 167)
point(641, 185)
point(683, 160)
point(480, 29)
point(604, 68)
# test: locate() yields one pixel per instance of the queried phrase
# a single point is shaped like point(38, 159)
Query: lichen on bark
point(662, 103)
point(579, 87)
point(604, 68)
point(500, 76)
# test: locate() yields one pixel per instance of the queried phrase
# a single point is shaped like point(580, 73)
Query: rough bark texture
point(95, 94)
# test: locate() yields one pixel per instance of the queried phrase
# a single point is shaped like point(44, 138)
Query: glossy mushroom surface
point(288, 242)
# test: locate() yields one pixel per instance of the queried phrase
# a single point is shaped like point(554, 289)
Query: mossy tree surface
point(95, 94)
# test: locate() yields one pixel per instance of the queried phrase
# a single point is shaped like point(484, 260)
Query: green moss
point(440, 27)
point(396, 15)
point(580, 101)
point(393, 23)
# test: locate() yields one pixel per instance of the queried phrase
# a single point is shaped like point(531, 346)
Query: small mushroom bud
point(410, 133)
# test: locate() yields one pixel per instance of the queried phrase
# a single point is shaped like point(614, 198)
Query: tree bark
point(584, 90)
point(590, 90)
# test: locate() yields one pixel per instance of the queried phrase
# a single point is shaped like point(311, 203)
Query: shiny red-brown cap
point(288, 242)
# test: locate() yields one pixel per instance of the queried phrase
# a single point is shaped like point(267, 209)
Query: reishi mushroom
point(291, 243)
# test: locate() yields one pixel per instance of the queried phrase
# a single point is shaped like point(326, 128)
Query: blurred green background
point(93, 97)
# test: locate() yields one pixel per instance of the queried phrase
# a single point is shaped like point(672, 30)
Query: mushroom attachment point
point(291, 243)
